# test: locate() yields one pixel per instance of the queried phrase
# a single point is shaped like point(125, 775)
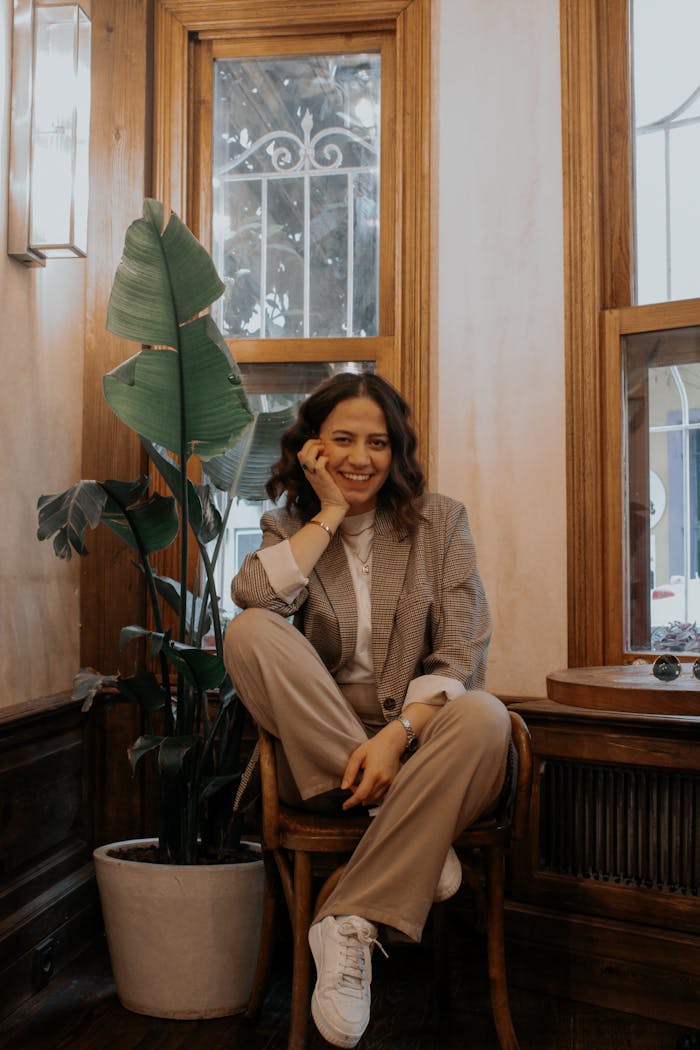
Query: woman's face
point(356, 441)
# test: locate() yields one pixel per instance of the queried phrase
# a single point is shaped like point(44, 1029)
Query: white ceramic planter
point(183, 940)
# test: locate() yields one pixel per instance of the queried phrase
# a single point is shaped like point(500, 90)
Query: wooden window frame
point(182, 29)
point(598, 288)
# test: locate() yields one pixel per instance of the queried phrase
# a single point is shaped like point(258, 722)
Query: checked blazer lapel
point(334, 575)
point(389, 560)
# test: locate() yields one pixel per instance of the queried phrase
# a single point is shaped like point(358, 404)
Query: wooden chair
point(300, 847)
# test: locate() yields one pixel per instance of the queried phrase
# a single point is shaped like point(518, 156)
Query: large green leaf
point(212, 785)
point(244, 468)
point(87, 684)
point(174, 752)
point(145, 393)
point(143, 688)
point(155, 522)
point(172, 475)
point(143, 746)
point(165, 277)
point(202, 669)
point(169, 589)
point(164, 281)
point(68, 516)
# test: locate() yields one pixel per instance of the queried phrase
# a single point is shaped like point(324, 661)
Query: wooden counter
point(631, 687)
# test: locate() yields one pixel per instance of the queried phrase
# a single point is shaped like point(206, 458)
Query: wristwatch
point(412, 738)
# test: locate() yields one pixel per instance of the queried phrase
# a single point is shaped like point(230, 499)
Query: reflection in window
point(663, 489)
point(667, 148)
point(296, 195)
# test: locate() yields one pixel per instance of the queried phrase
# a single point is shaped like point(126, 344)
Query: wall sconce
point(49, 143)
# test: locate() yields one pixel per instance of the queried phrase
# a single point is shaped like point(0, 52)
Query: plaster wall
point(499, 369)
point(499, 428)
point(41, 396)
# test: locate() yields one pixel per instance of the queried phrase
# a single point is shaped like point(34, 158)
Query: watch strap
point(412, 739)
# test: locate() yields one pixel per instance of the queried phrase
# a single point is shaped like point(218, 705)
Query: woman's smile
point(356, 441)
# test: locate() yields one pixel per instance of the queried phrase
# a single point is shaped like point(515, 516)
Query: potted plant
point(182, 394)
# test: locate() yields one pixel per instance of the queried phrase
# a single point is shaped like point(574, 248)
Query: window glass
point(666, 79)
point(295, 225)
point(663, 489)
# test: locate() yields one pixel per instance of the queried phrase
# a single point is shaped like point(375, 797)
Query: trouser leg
point(288, 690)
point(455, 775)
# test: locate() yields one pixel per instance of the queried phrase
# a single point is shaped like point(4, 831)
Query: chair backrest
point(520, 736)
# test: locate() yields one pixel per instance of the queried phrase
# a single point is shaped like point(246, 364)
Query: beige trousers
point(455, 775)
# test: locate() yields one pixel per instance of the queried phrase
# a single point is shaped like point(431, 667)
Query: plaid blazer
point(429, 610)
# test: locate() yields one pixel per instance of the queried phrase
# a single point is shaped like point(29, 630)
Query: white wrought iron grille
point(296, 195)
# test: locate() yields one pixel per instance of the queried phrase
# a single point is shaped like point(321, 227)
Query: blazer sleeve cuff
point(282, 570)
point(433, 689)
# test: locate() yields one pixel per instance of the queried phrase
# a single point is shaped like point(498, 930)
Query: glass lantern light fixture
point(49, 144)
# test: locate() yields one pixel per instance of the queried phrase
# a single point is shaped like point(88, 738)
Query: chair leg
point(267, 938)
point(441, 967)
point(301, 964)
point(500, 1006)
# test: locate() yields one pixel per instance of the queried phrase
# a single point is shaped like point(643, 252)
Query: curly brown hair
point(406, 481)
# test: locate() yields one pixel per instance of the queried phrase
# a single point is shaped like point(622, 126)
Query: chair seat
point(302, 830)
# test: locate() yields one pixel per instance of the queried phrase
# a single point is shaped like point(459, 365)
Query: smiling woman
point(375, 694)
point(353, 450)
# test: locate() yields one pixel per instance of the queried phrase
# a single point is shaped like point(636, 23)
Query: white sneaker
point(341, 947)
point(450, 877)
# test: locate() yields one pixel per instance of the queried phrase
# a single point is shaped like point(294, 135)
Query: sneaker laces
point(354, 938)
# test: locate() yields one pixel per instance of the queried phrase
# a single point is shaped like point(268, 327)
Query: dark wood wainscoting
point(49, 910)
point(604, 904)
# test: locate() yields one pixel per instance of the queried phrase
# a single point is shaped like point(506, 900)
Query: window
point(666, 81)
point(296, 173)
point(295, 141)
point(631, 96)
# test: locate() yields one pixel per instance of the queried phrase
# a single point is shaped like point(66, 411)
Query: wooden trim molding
point(595, 104)
point(409, 23)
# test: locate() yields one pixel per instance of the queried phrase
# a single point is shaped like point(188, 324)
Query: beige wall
point(498, 384)
point(499, 379)
point(41, 347)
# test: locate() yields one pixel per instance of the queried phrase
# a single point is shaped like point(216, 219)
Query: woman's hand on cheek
point(373, 766)
point(314, 463)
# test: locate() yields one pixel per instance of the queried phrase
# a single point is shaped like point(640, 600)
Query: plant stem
point(157, 618)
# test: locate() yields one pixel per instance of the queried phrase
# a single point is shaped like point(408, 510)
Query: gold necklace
point(366, 529)
point(365, 563)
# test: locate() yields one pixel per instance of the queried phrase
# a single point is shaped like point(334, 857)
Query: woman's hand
point(314, 463)
point(378, 760)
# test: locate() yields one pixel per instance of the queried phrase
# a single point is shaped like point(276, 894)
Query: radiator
point(635, 827)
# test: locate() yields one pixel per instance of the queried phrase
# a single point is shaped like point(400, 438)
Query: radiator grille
point(618, 824)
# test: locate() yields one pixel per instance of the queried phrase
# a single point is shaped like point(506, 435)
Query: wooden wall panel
point(48, 897)
point(112, 594)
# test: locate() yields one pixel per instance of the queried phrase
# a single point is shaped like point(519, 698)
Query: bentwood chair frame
point(300, 847)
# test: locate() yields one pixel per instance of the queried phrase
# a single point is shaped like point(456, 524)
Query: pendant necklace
point(365, 563)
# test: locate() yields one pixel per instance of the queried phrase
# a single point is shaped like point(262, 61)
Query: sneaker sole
point(330, 1034)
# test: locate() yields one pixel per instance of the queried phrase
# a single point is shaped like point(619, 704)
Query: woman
point(376, 693)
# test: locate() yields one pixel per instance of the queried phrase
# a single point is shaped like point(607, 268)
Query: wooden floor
point(79, 1010)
